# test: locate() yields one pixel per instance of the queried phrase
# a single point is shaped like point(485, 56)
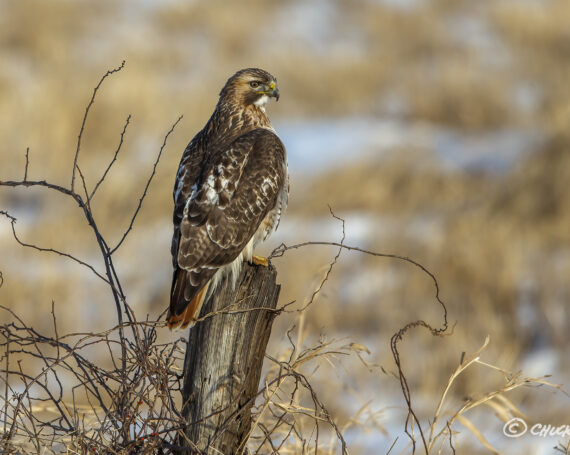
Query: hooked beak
point(272, 91)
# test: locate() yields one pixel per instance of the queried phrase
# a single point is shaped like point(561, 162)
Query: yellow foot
point(259, 260)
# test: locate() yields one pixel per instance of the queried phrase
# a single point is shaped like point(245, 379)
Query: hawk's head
point(250, 86)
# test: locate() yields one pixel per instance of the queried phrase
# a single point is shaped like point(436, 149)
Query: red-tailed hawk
point(229, 192)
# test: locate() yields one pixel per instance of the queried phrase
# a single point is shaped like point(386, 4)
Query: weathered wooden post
point(223, 361)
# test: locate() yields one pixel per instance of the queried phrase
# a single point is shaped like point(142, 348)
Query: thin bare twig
point(49, 250)
point(27, 164)
point(148, 182)
point(331, 265)
point(84, 185)
point(281, 249)
point(80, 135)
point(117, 150)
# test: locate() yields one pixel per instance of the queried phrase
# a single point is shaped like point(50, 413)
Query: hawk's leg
point(260, 260)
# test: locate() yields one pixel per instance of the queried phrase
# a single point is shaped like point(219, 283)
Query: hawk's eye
point(254, 84)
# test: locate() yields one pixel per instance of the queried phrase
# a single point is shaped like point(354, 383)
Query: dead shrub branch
point(130, 406)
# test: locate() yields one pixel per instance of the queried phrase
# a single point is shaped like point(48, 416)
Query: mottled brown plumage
point(230, 189)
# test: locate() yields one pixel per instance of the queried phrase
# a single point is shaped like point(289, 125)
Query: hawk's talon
point(260, 260)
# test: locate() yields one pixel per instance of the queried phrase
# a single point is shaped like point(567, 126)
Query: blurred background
point(437, 129)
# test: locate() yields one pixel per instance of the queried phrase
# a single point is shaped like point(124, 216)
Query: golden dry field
point(438, 131)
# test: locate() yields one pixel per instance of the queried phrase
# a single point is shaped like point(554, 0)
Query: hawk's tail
point(190, 310)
